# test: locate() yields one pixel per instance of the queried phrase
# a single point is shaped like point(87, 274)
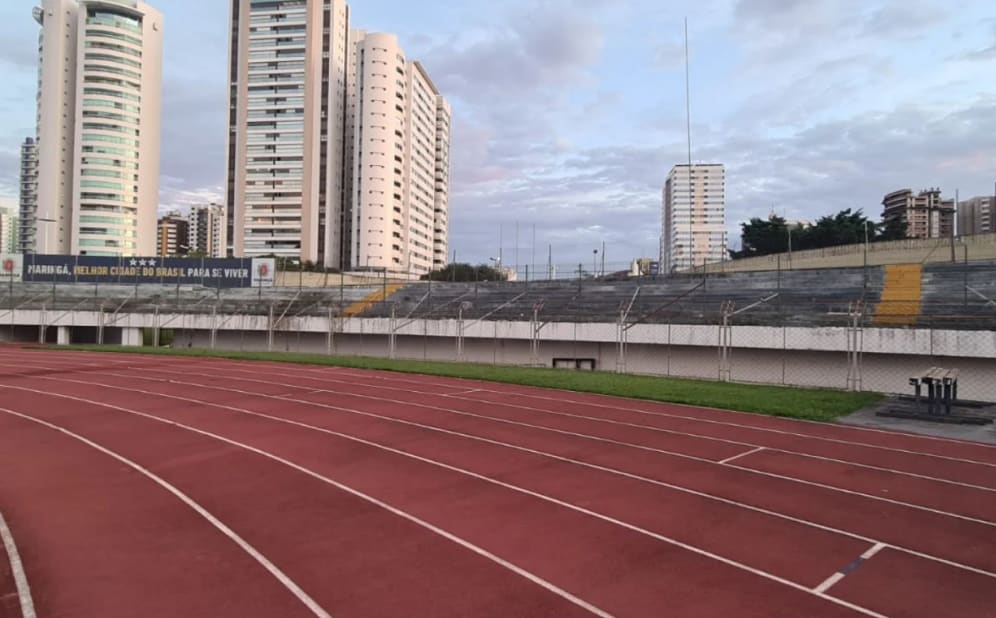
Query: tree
point(465, 272)
point(762, 237)
point(894, 229)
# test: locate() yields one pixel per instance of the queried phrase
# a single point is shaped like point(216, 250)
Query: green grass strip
point(801, 403)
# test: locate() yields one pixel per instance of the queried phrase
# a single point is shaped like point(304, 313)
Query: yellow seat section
point(901, 296)
point(372, 299)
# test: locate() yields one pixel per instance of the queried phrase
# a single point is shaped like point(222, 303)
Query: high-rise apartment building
point(172, 235)
point(8, 231)
point(694, 221)
point(285, 157)
point(926, 215)
point(338, 145)
point(400, 162)
point(976, 216)
point(28, 202)
point(99, 108)
point(206, 229)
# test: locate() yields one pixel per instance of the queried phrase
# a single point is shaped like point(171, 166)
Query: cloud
point(536, 50)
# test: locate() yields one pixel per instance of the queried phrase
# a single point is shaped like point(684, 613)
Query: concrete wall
point(978, 247)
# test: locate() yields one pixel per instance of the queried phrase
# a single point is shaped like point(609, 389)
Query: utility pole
point(603, 258)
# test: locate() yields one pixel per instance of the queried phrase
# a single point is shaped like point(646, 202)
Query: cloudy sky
point(569, 114)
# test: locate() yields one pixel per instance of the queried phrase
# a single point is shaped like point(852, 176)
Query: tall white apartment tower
point(28, 198)
point(206, 225)
point(694, 217)
point(99, 110)
point(286, 128)
point(400, 161)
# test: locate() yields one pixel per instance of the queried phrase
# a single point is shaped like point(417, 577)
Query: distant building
point(24, 241)
point(99, 108)
point(694, 222)
point(400, 161)
point(206, 229)
point(926, 215)
point(338, 149)
point(975, 216)
point(173, 237)
point(8, 232)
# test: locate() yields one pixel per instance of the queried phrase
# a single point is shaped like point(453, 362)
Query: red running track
point(162, 486)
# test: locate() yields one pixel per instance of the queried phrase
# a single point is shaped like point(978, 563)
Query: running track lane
point(290, 517)
point(969, 586)
point(98, 539)
point(10, 602)
point(931, 492)
point(847, 580)
point(620, 568)
point(951, 538)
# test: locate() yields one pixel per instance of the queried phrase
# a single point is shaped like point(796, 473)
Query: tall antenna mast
point(688, 121)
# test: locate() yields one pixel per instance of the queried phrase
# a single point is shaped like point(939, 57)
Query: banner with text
point(208, 272)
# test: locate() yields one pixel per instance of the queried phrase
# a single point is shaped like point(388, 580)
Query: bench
point(942, 388)
point(576, 364)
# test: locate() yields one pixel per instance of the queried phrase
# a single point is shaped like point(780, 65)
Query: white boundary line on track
point(588, 418)
point(834, 579)
point(812, 524)
point(736, 457)
point(463, 397)
point(388, 376)
point(583, 417)
point(281, 397)
point(287, 582)
point(547, 429)
point(17, 569)
point(384, 375)
point(466, 544)
point(316, 609)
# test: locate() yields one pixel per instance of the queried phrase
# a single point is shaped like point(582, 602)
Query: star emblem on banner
point(133, 263)
point(152, 262)
point(141, 262)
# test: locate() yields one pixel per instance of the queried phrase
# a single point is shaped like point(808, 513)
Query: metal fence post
point(100, 325)
point(155, 328)
point(621, 334)
point(725, 341)
point(330, 339)
point(269, 331)
point(214, 326)
point(391, 338)
point(42, 326)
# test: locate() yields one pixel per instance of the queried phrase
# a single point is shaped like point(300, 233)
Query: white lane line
point(287, 582)
point(638, 425)
point(386, 376)
point(877, 547)
point(588, 418)
point(749, 470)
point(17, 568)
point(487, 479)
point(316, 609)
point(736, 457)
point(541, 428)
point(324, 370)
point(829, 582)
point(613, 471)
point(834, 579)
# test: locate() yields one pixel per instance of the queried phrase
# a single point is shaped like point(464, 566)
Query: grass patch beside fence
point(801, 403)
